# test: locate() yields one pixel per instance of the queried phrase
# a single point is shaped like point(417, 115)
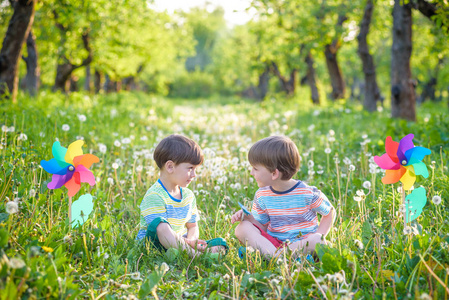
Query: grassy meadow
point(371, 254)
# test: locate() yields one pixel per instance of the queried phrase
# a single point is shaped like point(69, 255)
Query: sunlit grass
point(370, 255)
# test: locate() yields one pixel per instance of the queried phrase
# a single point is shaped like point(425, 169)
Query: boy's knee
point(242, 229)
point(162, 229)
point(315, 239)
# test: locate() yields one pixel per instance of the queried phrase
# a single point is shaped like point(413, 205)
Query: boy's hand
point(240, 216)
point(199, 245)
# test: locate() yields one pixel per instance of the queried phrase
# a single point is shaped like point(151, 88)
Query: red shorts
point(275, 241)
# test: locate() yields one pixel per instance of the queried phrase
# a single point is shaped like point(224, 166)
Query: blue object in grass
point(245, 210)
point(81, 210)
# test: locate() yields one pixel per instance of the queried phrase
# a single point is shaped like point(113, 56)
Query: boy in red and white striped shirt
point(284, 209)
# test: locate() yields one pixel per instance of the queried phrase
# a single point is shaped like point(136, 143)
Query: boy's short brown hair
point(276, 152)
point(178, 149)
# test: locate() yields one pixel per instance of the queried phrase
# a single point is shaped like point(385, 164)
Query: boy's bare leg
point(250, 235)
point(308, 244)
point(169, 239)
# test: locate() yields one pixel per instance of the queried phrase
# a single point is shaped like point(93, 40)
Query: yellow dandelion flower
point(47, 249)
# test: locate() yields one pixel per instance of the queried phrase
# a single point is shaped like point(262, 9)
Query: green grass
point(370, 255)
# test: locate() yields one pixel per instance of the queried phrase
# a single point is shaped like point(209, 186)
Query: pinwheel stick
point(70, 210)
point(405, 206)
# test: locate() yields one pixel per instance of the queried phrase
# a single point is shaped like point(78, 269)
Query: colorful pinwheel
point(70, 167)
point(402, 161)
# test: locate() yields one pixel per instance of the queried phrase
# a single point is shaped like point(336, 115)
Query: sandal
point(218, 242)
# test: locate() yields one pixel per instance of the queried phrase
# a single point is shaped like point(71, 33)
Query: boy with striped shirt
point(284, 209)
point(169, 213)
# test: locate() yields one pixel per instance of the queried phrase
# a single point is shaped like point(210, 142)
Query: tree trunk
point(128, 83)
point(111, 86)
point(33, 72)
point(87, 79)
point(18, 28)
point(336, 77)
point(73, 83)
point(107, 83)
point(311, 79)
point(402, 88)
point(372, 94)
point(330, 53)
point(65, 67)
point(262, 86)
point(97, 81)
point(288, 85)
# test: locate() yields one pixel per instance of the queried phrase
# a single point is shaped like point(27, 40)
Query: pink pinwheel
point(70, 167)
point(402, 161)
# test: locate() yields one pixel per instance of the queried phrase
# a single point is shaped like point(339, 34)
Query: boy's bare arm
point(326, 223)
point(238, 217)
point(193, 232)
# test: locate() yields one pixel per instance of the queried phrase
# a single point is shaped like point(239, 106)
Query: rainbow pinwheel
point(402, 161)
point(70, 167)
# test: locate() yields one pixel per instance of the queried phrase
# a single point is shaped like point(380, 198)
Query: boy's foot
point(242, 252)
point(309, 258)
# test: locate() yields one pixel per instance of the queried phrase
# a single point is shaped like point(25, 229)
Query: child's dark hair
point(178, 149)
point(276, 152)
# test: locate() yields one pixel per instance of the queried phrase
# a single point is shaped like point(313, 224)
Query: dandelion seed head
point(310, 164)
point(407, 230)
point(65, 127)
point(367, 185)
point(22, 137)
point(436, 200)
point(358, 244)
point(82, 118)
point(16, 263)
point(12, 207)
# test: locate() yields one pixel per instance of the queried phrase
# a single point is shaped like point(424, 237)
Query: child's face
point(184, 174)
point(262, 175)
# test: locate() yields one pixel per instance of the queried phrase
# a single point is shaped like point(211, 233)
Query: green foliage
point(206, 28)
point(195, 84)
point(368, 252)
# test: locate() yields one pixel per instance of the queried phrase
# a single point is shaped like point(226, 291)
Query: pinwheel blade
point(391, 147)
point(417, 153)
point(409, 178)
point(57, 181)
point(419, 168)
point(85, 175)
point(75, 149)
point(58, 151)
point(52, 166)
point(414, 203)
point(81, 209)
point(86, 160)
point(393, 176)
point(405, 144)
point(72, 186)
point(385, 162)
